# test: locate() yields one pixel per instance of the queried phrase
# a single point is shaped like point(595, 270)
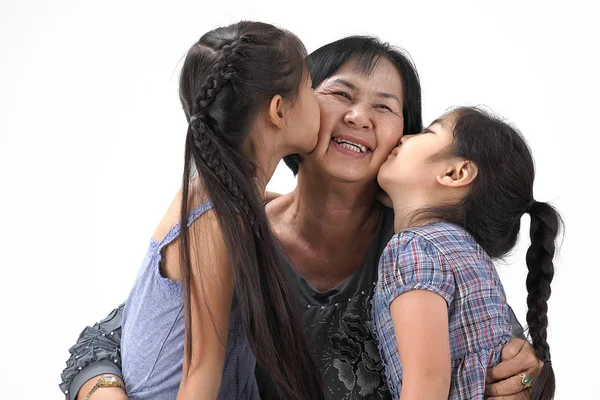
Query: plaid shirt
point(443, 258)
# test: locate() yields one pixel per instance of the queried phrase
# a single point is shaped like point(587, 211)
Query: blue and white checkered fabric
point(444, 259)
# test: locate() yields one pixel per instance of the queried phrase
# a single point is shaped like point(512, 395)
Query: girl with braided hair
point(459, 190)
point(211, 299)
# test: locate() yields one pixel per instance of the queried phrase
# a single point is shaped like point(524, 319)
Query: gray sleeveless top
point(154, 333)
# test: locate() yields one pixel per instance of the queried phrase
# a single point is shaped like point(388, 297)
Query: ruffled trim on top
point(100, 342)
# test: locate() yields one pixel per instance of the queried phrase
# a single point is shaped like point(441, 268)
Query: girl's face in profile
point(419, 159)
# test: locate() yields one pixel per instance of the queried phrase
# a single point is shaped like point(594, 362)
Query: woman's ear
point(276, 112)
point(459, 173)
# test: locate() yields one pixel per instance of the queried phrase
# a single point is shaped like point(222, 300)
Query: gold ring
point(525, 380)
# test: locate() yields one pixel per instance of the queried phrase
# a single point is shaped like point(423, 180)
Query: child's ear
point(460, 173)
point(276, 112)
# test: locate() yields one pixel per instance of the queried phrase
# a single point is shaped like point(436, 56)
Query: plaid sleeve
point(413, 263)
point(469, 372)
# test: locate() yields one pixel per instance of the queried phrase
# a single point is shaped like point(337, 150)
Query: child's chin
point(383, 178)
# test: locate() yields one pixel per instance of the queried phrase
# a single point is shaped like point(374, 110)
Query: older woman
point(332, 231)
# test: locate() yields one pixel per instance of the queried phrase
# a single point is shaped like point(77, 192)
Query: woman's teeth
point(358, 148)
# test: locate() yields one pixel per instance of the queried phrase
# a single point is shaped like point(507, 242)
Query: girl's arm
point(420, 319)
point(212, 287)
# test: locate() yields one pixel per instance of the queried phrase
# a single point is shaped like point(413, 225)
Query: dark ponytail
point(545, 225)
point(225, 80)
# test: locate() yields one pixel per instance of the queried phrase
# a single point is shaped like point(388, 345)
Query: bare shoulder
point(207, 248)
point(277, 210)
point(197, 195)
point(204, 235)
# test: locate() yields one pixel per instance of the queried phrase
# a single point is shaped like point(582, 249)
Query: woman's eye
point(382, 107)
point(343, 94)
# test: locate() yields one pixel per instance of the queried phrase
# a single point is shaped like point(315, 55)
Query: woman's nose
point(358, 117)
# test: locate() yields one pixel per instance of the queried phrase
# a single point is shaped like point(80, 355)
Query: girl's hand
point(503, 381)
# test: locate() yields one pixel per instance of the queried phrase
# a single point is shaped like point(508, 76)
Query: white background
point(91, 146)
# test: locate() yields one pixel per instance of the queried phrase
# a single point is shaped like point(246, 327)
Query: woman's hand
point(503, 381)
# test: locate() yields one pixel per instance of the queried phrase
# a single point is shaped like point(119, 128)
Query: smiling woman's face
point(361, 121)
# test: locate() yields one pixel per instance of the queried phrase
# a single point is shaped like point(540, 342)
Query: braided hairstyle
point(491, 212)
point(228, 76)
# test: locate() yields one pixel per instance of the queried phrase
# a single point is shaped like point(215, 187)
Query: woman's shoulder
point(276, 205)
point(278, 213)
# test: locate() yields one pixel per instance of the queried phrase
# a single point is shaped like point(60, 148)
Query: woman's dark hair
point(324, 62)
point(491, 212)
point(227, 77)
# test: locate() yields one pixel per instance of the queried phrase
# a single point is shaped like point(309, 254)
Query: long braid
point(545, 225)
point(221, 72)
point(212, 155)
point(225, 170)
point(199, 147)
point(209, 150)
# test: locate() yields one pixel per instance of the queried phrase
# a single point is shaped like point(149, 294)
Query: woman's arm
point(96, 352)
point(212, 287)
point(420, 319)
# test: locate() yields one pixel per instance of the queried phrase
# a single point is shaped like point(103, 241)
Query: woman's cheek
point(387, 148)
point(392, 137)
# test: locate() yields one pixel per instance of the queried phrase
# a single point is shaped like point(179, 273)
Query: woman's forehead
point(384, 76)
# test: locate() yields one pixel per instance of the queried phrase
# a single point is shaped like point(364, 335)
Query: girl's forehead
point(445, 120)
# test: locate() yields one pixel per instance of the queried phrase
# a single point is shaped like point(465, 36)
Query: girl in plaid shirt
point(459, 190)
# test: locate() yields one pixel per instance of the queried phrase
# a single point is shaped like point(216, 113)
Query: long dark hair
point(324, 62)
point(491, 212)
point(227, 76)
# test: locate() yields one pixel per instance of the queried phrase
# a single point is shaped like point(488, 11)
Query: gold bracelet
point(106, 381)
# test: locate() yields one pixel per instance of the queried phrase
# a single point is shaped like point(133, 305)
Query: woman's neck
point(333, 210)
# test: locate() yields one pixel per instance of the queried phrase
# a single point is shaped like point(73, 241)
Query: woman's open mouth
point(350, 147)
